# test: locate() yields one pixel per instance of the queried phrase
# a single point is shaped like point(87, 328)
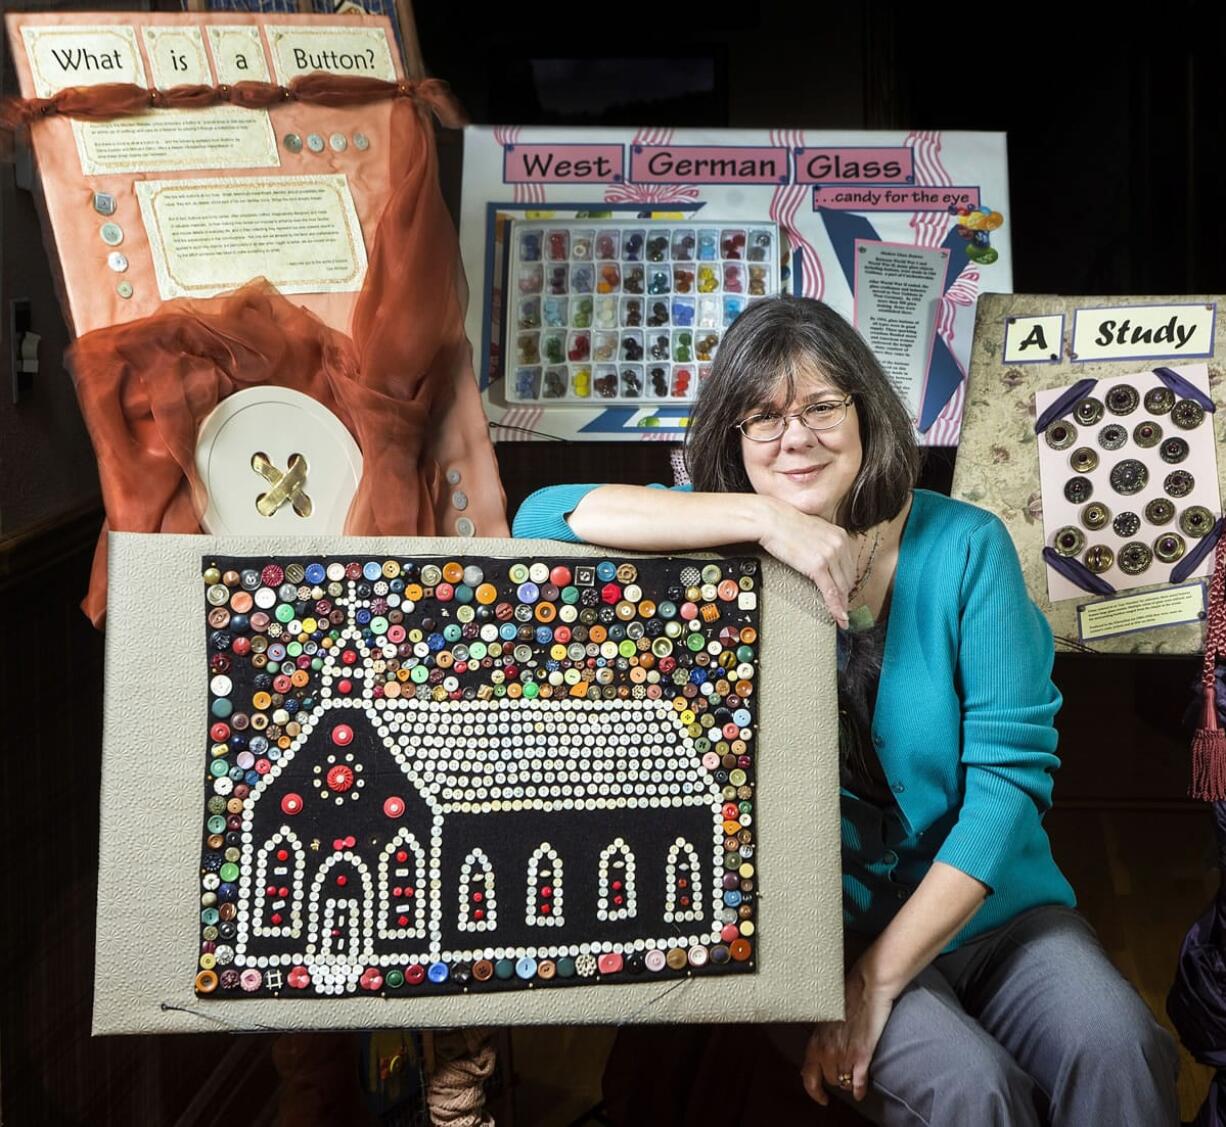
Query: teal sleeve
point(1008, 704)
point(543, 514)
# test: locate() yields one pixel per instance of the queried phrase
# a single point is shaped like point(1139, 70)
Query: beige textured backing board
point(997, 465)
point(148, 887)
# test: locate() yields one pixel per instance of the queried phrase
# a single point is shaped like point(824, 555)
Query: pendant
point(861, 618)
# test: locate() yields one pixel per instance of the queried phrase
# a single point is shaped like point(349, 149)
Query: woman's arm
point(649, 519)
point(941, 906)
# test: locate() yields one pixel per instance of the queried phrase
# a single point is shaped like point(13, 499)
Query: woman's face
point(811, 470)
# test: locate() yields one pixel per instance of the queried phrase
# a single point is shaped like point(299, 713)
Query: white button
point(539, 573)
point(459, 501)
point(117, 261)
point(453, 477)
point(465, 527)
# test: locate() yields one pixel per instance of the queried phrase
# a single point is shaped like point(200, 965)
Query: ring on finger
point(844, 1079)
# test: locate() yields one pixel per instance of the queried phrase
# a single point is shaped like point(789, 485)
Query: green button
point(505, 968)
point(452, 632)
point(744, 653)
point(566, 967)
point(294, 649)
point(702, 746)
point(463, 593)
point(217, 805)
point(517, 573)
point(695, 642)
point(570, 595)
point(662, 647)
point(229, 872)
point(419, 674)
point(284, 612)
point(222, 707)
point(531, 690)
point(627, 648)
point(737, 777)
point(218, 768)
point(465, 613)
point(500, 690)
point(317, 663)
point(395, 979)
point(217, 824)
point(378, 624)
point(712, 573)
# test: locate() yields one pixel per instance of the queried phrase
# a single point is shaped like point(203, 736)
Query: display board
point(1092, 429)
point(403, 784)
point(899, 231)
point(195, 202)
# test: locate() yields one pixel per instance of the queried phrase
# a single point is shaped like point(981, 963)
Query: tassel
point(1209, 756)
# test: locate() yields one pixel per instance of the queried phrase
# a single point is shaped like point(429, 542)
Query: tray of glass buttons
point(1129, 480)
point(627, 310)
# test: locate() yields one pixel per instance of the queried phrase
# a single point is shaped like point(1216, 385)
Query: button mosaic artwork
point(627, 311)
point(438, 776)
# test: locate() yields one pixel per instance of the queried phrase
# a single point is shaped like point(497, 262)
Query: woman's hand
point(847, 1046)
point(814, 547)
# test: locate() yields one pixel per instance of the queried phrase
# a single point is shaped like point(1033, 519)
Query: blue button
point(372, 571)
point(605, 571)
point(741, 717)
point(463, 593)
point(528, 592)
point(526, 967)
point(544, 635)
point(436, 642)
point(898, 788)
point(315, 573)
point(362, 617)
point(438, 972)
point(732, 898)
point(507, 631)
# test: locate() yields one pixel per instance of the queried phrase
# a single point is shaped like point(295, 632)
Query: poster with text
point(899, 231)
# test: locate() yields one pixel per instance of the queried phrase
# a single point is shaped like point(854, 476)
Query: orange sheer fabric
point(145, 386)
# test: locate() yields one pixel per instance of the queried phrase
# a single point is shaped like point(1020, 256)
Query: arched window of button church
point(402, 900)
point(618, 899)
point(683, 877)
point(545, 887)
point(478, 905)
point(277, 893)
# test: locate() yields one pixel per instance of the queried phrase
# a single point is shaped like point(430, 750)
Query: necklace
point(861, 618)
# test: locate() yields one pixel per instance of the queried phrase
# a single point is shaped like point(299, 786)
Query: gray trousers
point(1028, 1024)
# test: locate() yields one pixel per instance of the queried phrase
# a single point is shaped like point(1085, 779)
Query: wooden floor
point(1142, 877)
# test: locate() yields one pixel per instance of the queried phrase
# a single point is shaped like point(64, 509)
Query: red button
point(340, 779)
point(560, 576)
point(393, 807)
point(609, 963)
point(291, 804)
point(414, 975)
point(342, 735)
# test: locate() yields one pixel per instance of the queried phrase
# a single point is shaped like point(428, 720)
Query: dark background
point(1115, 148)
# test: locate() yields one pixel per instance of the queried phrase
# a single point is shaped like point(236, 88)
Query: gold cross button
point(289, 485)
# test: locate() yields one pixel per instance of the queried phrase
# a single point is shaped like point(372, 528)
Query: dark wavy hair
point(766, 350)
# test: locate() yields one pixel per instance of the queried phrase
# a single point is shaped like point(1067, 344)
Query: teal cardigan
point(962, 725)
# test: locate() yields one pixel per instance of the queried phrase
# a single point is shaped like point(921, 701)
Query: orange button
point(483, 970)
point(748, 635)
point(444, 659)
point(546, 969)
point(240, 602)
point(740, 949)
point(728, 590)
point(206, 982)
point(546, 612)
point(413, 592)
point(261, 701)
point(744, 688)
point(486, 594)
point(453, 572)
point(299, 677)
point(647, 608)
point(597, 634)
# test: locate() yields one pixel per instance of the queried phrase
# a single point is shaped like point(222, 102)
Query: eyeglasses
point(767, 426)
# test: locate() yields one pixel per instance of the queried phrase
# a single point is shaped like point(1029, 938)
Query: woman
point(974, 993)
